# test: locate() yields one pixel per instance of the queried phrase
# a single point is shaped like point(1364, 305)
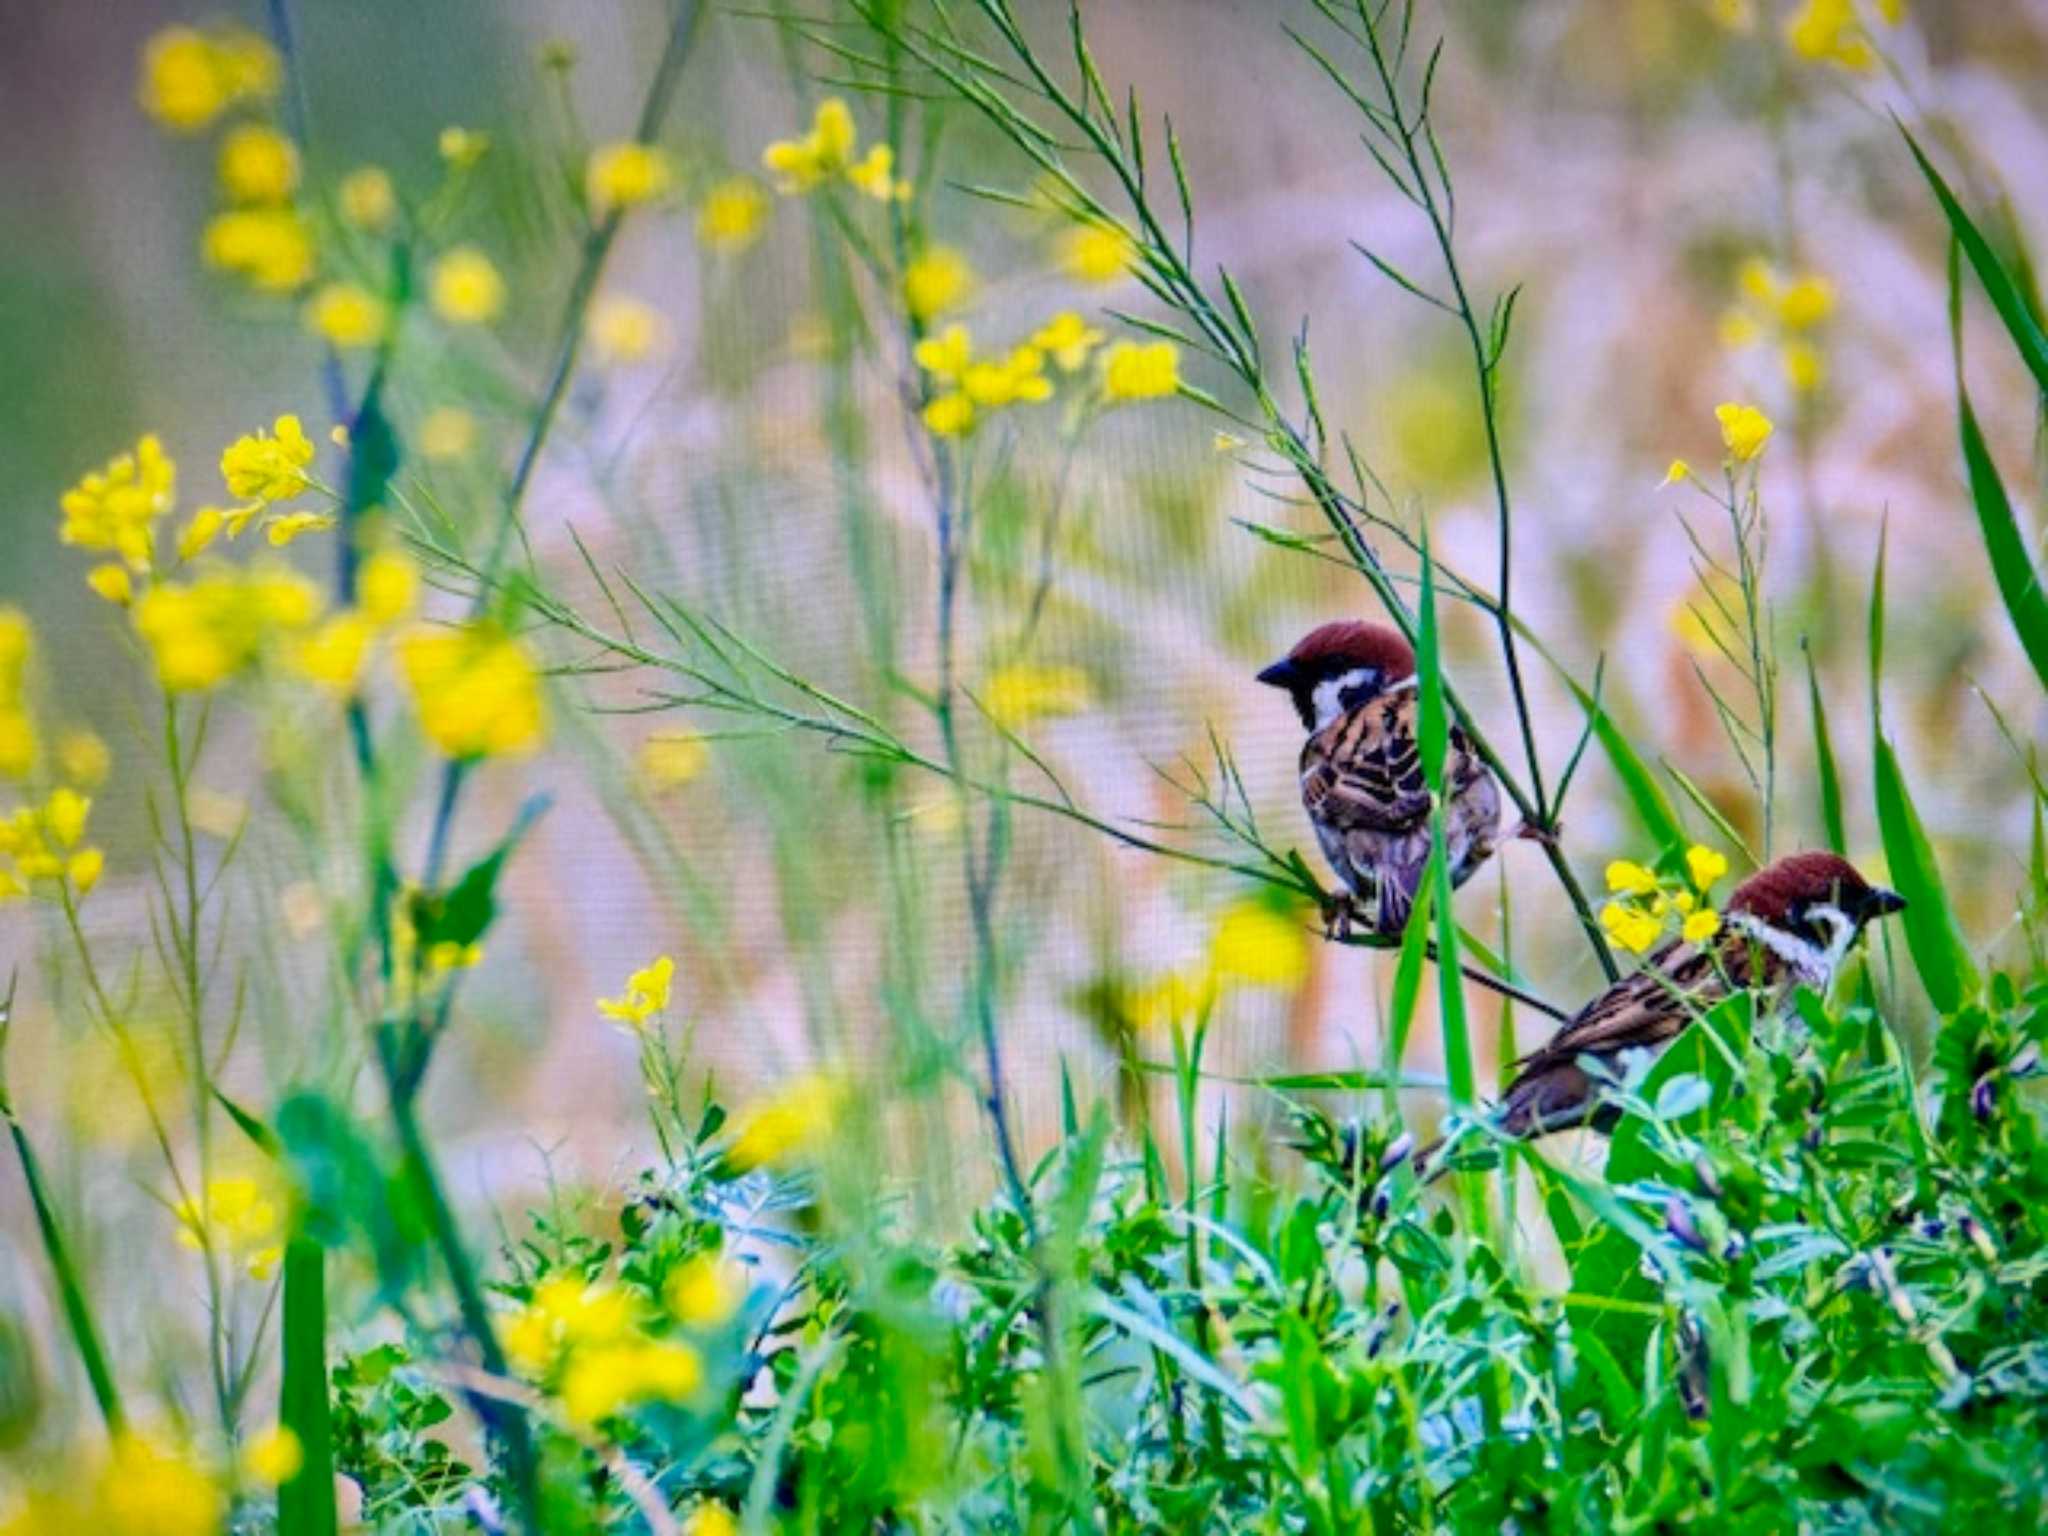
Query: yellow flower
point(707, 1292)
point(1704, 865)
point(269, 468)
point(112, 582)
point(1738, 329)
point(1679, 470)
point(1259, 946)
point(1807, 302)
point(625, 330)
point(272, 1457)
point(949, 415)
point(271, 247)
point(116, 508)
point(1176, 997)
point(1744, 429)
point(1828, 32)
point(803, 165)
point(84, 869)
point(1096, 253)
point(1701, 926)
point(348, 315)
point(646, 994)
point(83, 757)
point(1140, 370)
point(367, 199)
point(448, 432)
point(1067, 339)
point(874, 174)
point(182, 87)
point(287, 526)
point(565, 1313)
point(937, 279)
point(333, 654)
point(732, 213)
point(462, 147)
point(1626, 877)
point(600, 1383)
point(945, 354)
point(387, 587)
point(465, 289)
point(789, 1125)
point(198, 535)
point(249, 67)
point(64, 816)
point(236, 1215)
point(670, 761)
point(625, 174)
point(1804, 367)
point(1634, 930)
point(1015, 696)
point(258, 165)
point(477, 690)
point(148, 1490)
point(710, 1519)
point(201, 634)
point(1020, 377)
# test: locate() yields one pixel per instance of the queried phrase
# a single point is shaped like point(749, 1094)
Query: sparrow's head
point(1340, 666)
point(1810, 907)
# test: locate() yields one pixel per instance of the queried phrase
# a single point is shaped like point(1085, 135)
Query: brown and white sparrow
point(1353, 684)
point(1788, 924)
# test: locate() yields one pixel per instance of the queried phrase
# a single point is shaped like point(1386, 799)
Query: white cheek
point(1327, 699)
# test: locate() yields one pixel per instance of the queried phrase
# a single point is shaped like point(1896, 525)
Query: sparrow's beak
point(1282, 674)
point(1882, 903)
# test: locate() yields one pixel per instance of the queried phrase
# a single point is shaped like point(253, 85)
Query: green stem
point(85, 1335)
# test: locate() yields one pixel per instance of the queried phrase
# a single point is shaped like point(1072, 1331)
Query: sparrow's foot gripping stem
point(1340, 910)
point(1536, 832)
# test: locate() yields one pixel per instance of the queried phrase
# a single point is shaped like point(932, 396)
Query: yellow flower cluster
point(1643, 902)
point(732, 213)
point(623, 330)
point(203, 632)
point(589, 1343)
point(1096, 253)
point(624, 175)
point(1253, 944)
point(1140, 370)
point(332, 654)
point(968, 388)
point(118, 507)
point(259, 167)
point(788, 1126)
point(189, 78)
point(1784, 311)
point(43, 849)
point(264, 468)
point(17, 720)
point(476, 688)
point(270, 248)
point(1744, 430)
point(348, 315)
point(706, 1292)
point(1830, 32)
point(465, 287)
point(646, 994)
point(238, 1216)
point(1018, 695)
point(826, 154)
point(937, 279)
point(143, 1487)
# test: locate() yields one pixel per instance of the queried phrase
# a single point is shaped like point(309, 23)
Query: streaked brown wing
point(1365, 769)
point(1647, 1008)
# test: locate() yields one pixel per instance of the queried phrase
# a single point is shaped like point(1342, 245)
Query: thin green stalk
point(71, 1294)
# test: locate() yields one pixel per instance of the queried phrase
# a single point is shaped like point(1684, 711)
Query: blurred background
point(1695, 210)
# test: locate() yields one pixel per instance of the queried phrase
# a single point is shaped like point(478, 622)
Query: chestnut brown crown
point(1785, 892)
point(1361, 659)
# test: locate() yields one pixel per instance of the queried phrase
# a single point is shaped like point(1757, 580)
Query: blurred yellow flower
point(646, 994)
point(1701, 926)
point(266, 468)
point(1738, 328)
point(1627, 877)
point(1259, 946)
point(461, 148)
point(287, 526)
point(1140, 370)
point(945, 354)
point(600, 1383)
point(84, 868)
point(1634, 930)
point(625, 330)
point(706, 1292)
point(803, 165)
point(1679, 470)
point(388, 586)
point(1828, 32)
point(117, 507)
point(1744, 430)
point(1017, 379)
point(112, 582)
point(333, 654)
point(1067, 339)
point(673, 759)
point(732, 213)
point(201, 634)
point(874, 174)
point(448, 432)
point(367, 199)
point(476, 689)
point(1735, 15)
point(258, 165)
point(937, 279)
point(236, 1215)
point(626, 174)
point(197, 536)
point(949, 415)
point(1096, 253)
point(147, 1489)
point(182, 87)
point(465, 288)
point(64, 816)
point(1017, 695)
point(1805, 368)
point(1176, 997)
point(272, 1456)
point(565, 1313)
point(788, 1125)
point(710, 1519)
point(1806, 301)
point(1704, 865)
point(348, 315)
point(270, 247)
point(82, 756)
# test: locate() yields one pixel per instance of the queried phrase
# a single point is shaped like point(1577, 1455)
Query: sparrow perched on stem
point(1791, 923)
point(1353, 685)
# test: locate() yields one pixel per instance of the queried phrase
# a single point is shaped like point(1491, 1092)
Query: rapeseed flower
point(117, 507)
point(259, 167)
point(1096, 253)
point(465, 288)
point(266, 468)
point(732, 213)
point(367, 200)
point(646, 994)
point(203, 633)
point(1068, 340)
point(1018, 695)
point(1140, 370)
point(476, 688)
point(938, 279)
point(788, 1125)
point(625, 330)
point(348, 315)
point(239, 1216)
point(624, 175)
point(270, 247)
point(1744, 430)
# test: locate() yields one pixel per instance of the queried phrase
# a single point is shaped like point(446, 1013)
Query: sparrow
point(1353, 684)
point(1788, 924)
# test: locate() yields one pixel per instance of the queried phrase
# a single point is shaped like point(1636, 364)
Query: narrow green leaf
point(1450, 981)
point(1933, 936)
point(1407, 984)
point(251, 1127)
point(71, 1296)
point(1432, 730)
point(1830, 780)
point(2011, 563)
point(305, 1502)
point(1999, 286)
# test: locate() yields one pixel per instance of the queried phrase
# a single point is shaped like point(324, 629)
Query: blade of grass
point(2019, 583)
point(1825, 772)
point(71, 1295)
point(305, 1502)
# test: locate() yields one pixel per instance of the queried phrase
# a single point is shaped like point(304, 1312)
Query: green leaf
point(1999, 286)
point(2019, 584)
point(462, 914)
point(1432, 729)
point(1933, 936)
point(1830, 779)
point(1408, 983)
point(1652, 806)
point(251, 1127)
point(305, 1502)
point(71, 1294)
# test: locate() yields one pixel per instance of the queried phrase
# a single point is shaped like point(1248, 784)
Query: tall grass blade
point(2019, 583)
point(305, 1502)
point(1933, 936)
point(71, 1296)
point(1826, 775)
